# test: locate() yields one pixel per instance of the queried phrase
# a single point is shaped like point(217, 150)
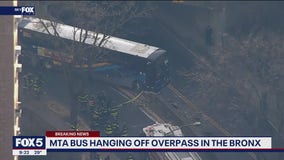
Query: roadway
point(53, 112)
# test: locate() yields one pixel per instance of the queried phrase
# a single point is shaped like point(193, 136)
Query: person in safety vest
point(91, 101)
point(124, 131)
point(95, 124)
point(96, 114)
point(107, 158)
point(75, 127)
point(130, 157)
point(26, 79)
point(115, 125)
point(108, 130)
point(36, 87)
point(102, 98)
point(114, 112)
point(83, 98)
point(31, 83)
point(96, 157)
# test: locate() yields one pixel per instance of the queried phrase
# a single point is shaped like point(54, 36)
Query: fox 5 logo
point(28, 10)
point(29, 142)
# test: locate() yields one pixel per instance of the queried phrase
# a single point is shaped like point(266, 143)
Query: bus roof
point(67, 32)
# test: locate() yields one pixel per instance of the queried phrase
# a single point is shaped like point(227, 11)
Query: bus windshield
point(157, 71)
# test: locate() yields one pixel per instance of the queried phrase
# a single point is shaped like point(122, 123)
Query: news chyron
point(29, 145)
point(91, 141)
point(17, 10)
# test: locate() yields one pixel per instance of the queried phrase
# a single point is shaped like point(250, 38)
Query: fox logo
point(28, 142)
point(28, 10)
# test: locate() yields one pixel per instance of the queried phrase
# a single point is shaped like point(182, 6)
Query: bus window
point(157, 71)
point(26, 34)
point(161, 66)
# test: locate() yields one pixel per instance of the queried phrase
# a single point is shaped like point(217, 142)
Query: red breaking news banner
point(72, 134)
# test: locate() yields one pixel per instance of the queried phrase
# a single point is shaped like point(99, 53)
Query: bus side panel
point(116, 76)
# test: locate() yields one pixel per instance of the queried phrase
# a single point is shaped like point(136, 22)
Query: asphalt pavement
point(53, 108)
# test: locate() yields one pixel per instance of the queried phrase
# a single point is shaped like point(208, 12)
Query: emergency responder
point(26, 79)
point(36, 88)
point(96, 119)
point(107, 158)
point(114, 112)
point(104, 110)
point(96, 114)
point(114, 126)
point(209, 32)
point(95, 156)
point(75, 127)
point(124, 131)
point(34, 83)
point(130, 157)
point(95, 124)
point(40, 80)
point(102, 98)
point(83, 98)
point(91, 101)
point(31, 83)
point(108, 130)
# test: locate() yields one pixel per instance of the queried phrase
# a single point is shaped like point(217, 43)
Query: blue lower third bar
point(19, 10)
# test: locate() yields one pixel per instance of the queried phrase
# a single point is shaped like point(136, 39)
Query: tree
point(244, 75)
point(102, 17)
point(253, 68)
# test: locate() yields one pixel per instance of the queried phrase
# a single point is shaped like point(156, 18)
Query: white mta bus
point(126, 63)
